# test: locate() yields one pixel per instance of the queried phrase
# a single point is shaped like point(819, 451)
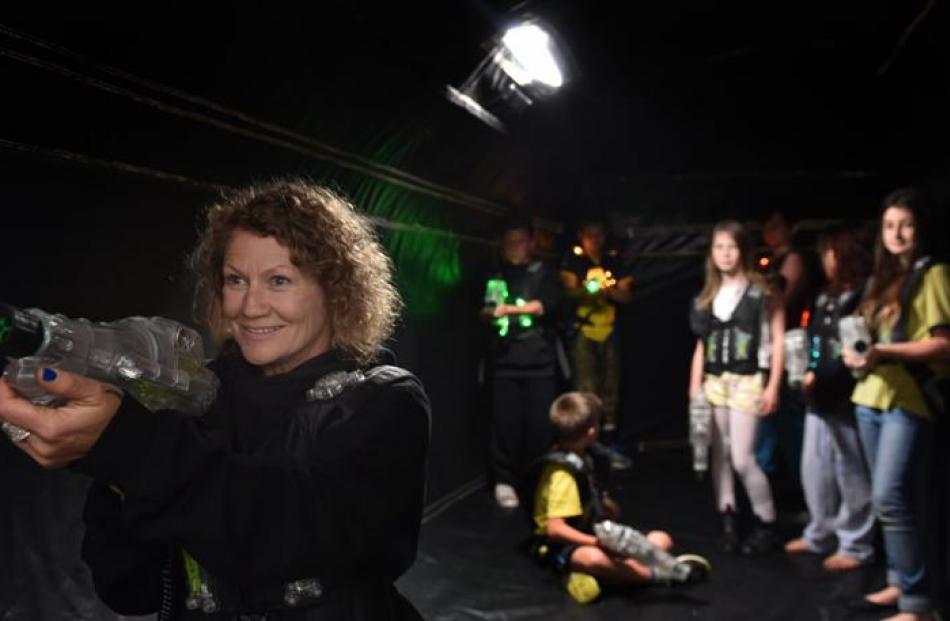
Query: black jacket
point(265, 489)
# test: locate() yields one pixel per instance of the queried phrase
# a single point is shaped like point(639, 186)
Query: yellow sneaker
point(582, 587)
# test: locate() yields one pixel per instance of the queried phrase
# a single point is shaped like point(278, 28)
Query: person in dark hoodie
point(299, 494)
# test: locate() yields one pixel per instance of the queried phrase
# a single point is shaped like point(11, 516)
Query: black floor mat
point(470, 565)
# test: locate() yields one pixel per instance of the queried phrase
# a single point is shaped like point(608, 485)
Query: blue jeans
point(896, 444)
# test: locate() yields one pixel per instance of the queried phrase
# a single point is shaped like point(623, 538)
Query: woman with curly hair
point(299, 494)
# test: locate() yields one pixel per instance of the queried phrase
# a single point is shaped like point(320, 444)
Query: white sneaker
point(505, 496)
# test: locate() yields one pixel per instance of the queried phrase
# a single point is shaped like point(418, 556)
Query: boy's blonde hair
point(573, 413)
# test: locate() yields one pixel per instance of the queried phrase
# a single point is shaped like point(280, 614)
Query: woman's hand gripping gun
point(161, 363)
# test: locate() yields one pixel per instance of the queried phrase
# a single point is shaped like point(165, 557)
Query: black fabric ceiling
point(728, 105)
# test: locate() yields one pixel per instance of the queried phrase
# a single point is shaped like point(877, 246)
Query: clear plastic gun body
point(628, 542)
point(700, 432)
point(159, 362)
point(797, 356)
point(855, 336)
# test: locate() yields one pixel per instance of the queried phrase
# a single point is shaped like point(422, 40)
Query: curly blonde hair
point(327, 239)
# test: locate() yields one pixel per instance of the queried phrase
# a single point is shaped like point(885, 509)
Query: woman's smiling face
point(277, 314)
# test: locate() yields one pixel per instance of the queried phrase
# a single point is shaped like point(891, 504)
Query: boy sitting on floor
point(570, 506)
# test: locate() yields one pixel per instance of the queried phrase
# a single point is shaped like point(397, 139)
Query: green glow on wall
point(428, 264)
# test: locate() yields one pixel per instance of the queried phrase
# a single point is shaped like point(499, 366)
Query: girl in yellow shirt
point(894, 419)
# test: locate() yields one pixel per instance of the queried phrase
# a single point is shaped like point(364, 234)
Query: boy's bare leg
point(596, 562)
point(661, 539)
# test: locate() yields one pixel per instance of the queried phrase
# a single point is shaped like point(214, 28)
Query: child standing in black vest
point(739, 331)
point(521, 298)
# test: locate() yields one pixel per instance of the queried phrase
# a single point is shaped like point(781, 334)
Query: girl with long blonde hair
point(737, 365)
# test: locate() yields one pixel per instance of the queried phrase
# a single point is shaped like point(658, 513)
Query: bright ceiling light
point(531, 57)
point(521, 67)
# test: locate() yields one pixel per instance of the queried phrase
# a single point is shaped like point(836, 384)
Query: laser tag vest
point(833, 380)
point(587, 473)
point(515, 285)
point(731, 345)
point(908, 291)
point(333, 399)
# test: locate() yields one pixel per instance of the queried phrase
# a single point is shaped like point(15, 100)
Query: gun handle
point(13, 432)
point(20, 374)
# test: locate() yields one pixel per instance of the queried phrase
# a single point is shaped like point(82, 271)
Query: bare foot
point(911, 616)
point(887, 596)
point(797, 545)
point(840, 562)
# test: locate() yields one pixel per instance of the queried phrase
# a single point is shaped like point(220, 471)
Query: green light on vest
point(524, 321)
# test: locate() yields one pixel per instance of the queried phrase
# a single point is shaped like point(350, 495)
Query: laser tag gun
point(700, 432)
point(157, 361)
point(598, 279)
point(856, 336)
point(627, 542)
point(797, 356)
point(496, 294)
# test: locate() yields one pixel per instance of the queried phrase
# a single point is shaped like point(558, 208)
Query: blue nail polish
point(49, 374)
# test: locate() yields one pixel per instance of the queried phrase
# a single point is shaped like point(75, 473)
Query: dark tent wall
point(103, 177)
point(107, 174)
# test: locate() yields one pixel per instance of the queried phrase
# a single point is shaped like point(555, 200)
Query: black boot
point(761, 540)
point(729, 541)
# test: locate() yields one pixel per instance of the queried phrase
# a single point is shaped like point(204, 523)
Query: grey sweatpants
point(837, 487)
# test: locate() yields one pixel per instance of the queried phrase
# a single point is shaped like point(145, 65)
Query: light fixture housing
point(524, 65)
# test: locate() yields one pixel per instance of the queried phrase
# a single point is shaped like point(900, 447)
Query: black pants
point(522, 431)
